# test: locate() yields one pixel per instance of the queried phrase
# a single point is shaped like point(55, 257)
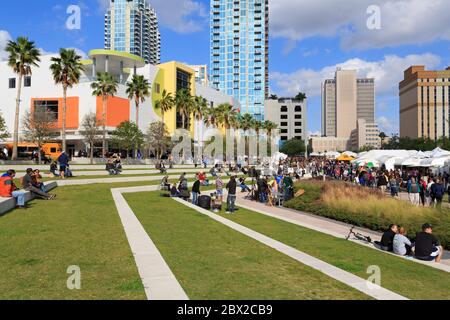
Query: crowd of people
point(425, 246)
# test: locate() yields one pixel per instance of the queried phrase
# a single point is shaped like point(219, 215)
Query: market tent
point(345, 157)
point(434, 162)
point(351, 154)
point(411, 162)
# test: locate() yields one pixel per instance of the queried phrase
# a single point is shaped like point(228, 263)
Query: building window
point(12, 83)
point(298, 108)
point(157, 88)
point(284, 131)
point(298, 117)
point(298, 130)
point(50, 106)
point(283, 138)
point(284, 117)
point(298, 124)
point(284, 124)
point(27, 81)
point(284, 109)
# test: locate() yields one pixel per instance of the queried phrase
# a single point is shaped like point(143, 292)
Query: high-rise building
point(201, 74)
point(239, 52)
point(345, 99)
point(132, 26)
point(424, 103)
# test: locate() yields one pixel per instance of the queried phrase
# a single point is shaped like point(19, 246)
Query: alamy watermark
point(374, 19)
point(73, 22)
point(74, 280)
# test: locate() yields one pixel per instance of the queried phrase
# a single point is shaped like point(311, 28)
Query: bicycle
point(358, 236)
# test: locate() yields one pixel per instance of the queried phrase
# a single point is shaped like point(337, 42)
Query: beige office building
point(424, 103)
point(345, 99)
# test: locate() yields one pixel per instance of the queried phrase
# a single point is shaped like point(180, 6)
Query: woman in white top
point(402, 245)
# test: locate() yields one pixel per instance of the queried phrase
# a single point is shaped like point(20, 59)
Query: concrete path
point(21, 167)
point(327, 226)
point(158, 280)
point(340, 275)
point(75, 182)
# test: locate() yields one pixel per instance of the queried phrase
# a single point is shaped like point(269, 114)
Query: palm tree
point(66, 70)
point(138, 88)
point(269, 127)
point(246, 122)
point(226, 115)
point(211, 116)
point(183, 101)
point(23, 54)
point(300, 97)
point(105, 86)
point(165, 104)
point(199, 108)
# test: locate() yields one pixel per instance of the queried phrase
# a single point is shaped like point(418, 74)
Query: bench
point(8, 204)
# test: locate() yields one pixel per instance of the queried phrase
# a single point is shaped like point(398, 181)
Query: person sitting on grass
point(203, 181)
point(9, 190)
point(165, 185)
point(401, 244)
point(54, 169)
point(243, 186)
point(27, 184)
point(387, 240)
point(174, 193)
point(428, 247)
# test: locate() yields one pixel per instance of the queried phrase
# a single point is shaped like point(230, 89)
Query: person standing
point(63, 161)
point(231, 200)
point(288, 186)
point(437, 191)
point(414, 191)
point(196, 191)
point(219, 188)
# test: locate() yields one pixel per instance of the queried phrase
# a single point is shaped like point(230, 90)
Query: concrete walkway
point(327, 226)
point(159, 281)
point(340, 275)
point(118, 179)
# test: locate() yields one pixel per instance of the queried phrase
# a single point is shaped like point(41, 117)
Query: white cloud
point(4, 38)
point(388, 126)
point(182, 16)
point(387, 74)
point(402, 21)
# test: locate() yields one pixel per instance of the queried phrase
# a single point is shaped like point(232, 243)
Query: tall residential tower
point(132, 26)
point(240, 52)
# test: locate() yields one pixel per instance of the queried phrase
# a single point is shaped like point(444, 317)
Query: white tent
point(434, 162)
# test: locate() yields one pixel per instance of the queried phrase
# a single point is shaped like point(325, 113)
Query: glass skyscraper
point(132, 26)
point(239, 52)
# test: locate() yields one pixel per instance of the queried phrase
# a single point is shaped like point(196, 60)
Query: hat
point(427, 226)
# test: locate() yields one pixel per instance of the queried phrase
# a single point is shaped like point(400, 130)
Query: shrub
point(368, 208)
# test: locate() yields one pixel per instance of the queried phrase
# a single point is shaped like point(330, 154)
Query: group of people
point(114, 165)
point(425, 246)
point(31, 182)
point(64, 167)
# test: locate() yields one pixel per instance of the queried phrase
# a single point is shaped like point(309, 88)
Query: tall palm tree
point(23, 54)
point(199, 108)
point(226, 115)
point(105, 86)
point(210, 117)
point(269, 127)
point(165, 104)
point(246, 122)
point(183, 101)
point(138, 88)
point(66, 70)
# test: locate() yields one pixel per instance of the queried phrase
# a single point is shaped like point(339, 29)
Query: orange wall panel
point(117, 111)
point(72, 111)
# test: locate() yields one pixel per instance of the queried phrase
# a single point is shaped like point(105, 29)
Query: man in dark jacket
point(196, 191)
point(63, 160)
point(387, 240)
point(437, 192)
point(231, 200)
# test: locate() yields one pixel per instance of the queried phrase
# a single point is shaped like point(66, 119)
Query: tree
point(23, 54)
point(293, 147)
point(165, 104)
point(226, 115)
point(38, 128)
point(4, 134)
point(105, 87)
point(66, 70)
point(127, 136)
point(138, 88)
point(158, 138)
point(211, 116)
point(184, 102)
point(90, 132)
point(300, 97)
point(382, 137)
point(273, 97)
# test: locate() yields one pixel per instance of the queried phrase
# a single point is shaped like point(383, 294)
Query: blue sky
point(308, 40)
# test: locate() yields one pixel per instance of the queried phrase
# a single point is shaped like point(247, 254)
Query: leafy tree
point(273, 97)
point(90, 132)
point(4, 134)
point(300, 97)
point(66, 70)
point(184, 103)
point(158, 139)
point(38, 128)
point(105, 87)
point(23, 54)
point(293, 147)
point(165, 104)
point(138, 89)
point(226, 115)
point(127, 136)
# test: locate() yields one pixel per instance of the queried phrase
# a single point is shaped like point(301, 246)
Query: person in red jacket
point(9, 190)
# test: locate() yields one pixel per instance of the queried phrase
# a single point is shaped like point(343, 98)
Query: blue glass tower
point(239, 52)
point(132, 26)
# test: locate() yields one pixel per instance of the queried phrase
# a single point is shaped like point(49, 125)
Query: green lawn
point(405, 277)
point(212, 261)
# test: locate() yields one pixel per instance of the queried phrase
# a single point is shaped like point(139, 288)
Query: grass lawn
point(407, 278)
point(212, 261)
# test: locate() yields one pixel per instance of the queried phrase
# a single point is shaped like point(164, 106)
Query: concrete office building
point(424, 103)
point(201, 74)
point(291, 117)
point(240, 52)
point(132, 26)
point(366, 134)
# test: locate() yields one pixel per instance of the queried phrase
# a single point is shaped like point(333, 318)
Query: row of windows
point(285, 109)
point(285, 117)
point(285, 124)
point(26, 82)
